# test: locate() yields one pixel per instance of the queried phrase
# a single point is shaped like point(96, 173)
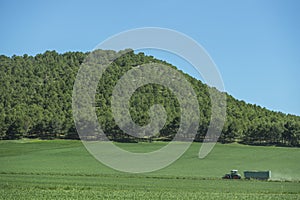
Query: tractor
point(233, 175)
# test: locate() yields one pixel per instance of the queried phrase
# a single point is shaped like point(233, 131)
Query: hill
point(36, 102)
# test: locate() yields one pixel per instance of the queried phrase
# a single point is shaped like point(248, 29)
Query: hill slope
point(36, 99)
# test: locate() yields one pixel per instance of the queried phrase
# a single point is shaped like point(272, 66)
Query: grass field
point(60, 169)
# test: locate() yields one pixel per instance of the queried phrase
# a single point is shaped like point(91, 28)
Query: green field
point(60, 169)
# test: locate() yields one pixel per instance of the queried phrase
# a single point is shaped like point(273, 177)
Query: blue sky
point(254, 43)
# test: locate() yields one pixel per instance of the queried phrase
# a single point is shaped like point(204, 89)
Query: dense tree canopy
point(36, 102)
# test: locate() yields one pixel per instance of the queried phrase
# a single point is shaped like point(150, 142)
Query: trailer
point(260, 175)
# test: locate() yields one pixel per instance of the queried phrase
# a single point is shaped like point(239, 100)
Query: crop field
point(61, 169)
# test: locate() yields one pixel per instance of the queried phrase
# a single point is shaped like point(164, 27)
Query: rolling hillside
point(36, 102)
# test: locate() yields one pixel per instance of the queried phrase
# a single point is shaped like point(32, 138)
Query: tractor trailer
point(259, 175)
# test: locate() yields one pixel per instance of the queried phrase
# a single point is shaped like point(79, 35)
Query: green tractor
point(233, 175)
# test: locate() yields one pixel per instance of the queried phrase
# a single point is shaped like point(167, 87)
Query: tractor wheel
point(236, 177)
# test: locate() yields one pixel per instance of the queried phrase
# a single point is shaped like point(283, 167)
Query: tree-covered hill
point(36, 101)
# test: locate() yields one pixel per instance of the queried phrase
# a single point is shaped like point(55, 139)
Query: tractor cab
point(233, 175)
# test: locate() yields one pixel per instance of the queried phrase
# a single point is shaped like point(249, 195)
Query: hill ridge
point(37, 96)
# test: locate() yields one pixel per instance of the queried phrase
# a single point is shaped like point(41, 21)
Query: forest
point(36, 102)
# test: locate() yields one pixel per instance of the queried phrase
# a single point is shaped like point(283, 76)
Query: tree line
point(36, 102)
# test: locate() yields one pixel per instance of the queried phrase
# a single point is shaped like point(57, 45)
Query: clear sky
point(254, 43)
